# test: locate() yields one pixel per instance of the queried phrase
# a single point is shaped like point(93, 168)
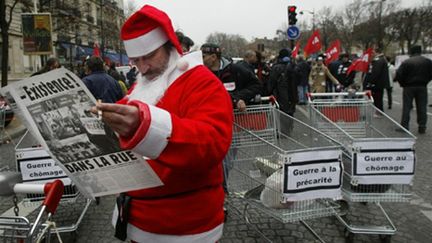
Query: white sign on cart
point(383, 162)
point(312, 175)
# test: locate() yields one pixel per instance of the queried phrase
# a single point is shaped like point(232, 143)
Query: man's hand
point(123, 119)
point(241, 105)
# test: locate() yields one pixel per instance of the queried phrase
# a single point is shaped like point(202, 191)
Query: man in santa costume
point(179, 116)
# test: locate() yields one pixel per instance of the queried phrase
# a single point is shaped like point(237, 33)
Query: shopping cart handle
point(53, 193)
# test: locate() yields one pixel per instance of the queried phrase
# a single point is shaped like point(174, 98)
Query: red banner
point(362, 63)
point(332, 53)
point(296, 50)
point(96, 50)
point(314, 43)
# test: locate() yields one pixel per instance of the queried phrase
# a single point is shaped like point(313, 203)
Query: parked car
point(9, 111)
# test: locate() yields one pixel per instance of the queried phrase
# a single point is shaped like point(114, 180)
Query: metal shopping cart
point(36, 167)
point(283, 168)
point(379, 156)
point(13, 228)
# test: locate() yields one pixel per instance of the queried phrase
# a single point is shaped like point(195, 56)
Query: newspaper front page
point(56, 109)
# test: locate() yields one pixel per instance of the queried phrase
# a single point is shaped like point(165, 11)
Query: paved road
point(413, 220)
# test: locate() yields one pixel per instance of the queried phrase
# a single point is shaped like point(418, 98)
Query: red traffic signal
point(292, 15)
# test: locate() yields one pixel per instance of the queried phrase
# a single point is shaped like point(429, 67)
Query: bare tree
point(407, 26)
point(5, 21)
point(231, 45)
point(347, 20)
point(327, 25)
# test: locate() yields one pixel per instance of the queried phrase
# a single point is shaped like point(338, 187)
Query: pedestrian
point(51, 63)
point(100, 84)
point(413, 76)
point(389, 86)
point(341, 74)
point(377, 78)
point(131, 76)
point(240, 82)
point(179, 116)
point(303, 69)
point(249, 60)
point(318, 76)
point(283, 81)
point(262, 72)
point(112, 71)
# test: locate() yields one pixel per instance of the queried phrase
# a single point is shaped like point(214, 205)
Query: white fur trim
point(146, 43)
point(182, 64)
point(156, 139)
point(186, 63)
point(139, 235)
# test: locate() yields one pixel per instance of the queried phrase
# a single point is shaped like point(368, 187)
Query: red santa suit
point(186, 138)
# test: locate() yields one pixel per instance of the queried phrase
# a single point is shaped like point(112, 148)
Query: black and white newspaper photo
point(56, 108)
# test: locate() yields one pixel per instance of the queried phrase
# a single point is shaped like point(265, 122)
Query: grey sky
point(249, 18)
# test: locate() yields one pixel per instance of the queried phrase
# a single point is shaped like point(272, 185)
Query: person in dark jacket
point(341, 71)
point(283, 82)
point(377, 78)
point(262, 72)
point(112, 71)
point(413, 76)
point(100, 84)
point(131, 76)
point(241, 83)
point(249, 60)
point(303, 69)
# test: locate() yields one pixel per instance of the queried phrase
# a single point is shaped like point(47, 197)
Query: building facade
point(77, 26)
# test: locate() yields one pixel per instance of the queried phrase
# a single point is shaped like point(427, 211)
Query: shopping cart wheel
point(385, 238)
point(349, 236)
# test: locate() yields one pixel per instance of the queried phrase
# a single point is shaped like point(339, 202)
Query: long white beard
point(151, 91)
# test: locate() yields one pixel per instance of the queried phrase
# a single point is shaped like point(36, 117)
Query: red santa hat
point(147, 30)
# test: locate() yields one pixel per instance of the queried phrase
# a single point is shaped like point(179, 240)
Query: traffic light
point(292, 15)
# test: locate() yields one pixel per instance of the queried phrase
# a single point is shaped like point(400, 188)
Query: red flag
point(96, 50)
point(296, 50)
point(332, 52)
point(362, 63)
point(314, 43)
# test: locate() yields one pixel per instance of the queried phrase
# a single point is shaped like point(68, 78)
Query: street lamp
point(313, 16)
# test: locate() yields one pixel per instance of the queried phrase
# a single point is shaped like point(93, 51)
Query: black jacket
point(283, 82)
point(341, 74)
point(240, 83)
point(103, 87)
point(303, 69)
point(378, 75)
point(415, 71)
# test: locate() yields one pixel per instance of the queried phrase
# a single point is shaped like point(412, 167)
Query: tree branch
point(10, 13)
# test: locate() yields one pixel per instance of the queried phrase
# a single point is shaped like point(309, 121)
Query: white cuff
point(156, 139)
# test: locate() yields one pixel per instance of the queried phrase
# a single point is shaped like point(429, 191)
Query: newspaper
point(56, 109)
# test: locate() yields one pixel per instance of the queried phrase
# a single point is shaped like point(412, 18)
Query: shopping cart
point(13, 228)
point(379, 156)
point(36, 167)
point(277, 168)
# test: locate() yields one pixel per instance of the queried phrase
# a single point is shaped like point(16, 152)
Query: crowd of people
point(178, 112)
